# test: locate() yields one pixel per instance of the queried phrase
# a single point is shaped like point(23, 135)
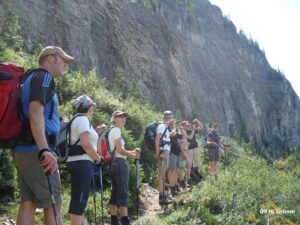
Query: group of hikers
point(176, 149)
point(178, 154)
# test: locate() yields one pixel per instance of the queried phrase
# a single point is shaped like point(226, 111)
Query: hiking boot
point(115, 220)
point(125, 220)
point(182, 184)
point(190, 182)
point(178, 189)
point(165, 200)
point(173, 191)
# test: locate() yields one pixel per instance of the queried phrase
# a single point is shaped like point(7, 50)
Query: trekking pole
point(137, 165)
point(94, 186)
point(101, 192)
point(225, 160)
point(52, 197)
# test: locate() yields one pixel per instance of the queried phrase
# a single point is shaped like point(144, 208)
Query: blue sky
point(275, 25)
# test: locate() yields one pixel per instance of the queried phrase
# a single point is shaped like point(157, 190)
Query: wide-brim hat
point(118, 113)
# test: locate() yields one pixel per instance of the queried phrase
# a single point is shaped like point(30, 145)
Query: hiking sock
point(114, 220)
point(125, 220)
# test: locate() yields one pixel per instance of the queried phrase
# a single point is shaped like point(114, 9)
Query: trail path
point(149, 207)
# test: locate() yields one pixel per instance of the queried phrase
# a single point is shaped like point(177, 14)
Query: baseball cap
point(168, 115)
point(53, 50)
point(184, 123)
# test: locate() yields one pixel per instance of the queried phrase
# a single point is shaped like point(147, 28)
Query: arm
point(135, 154)
point(157, 142)
point(182, 151)
point(87, 146)
point(210, 140)
point(189, 137)
point(199, 125)
point(36, 120)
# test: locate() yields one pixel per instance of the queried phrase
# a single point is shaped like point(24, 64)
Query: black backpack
point(64, 139)
point(150, 134)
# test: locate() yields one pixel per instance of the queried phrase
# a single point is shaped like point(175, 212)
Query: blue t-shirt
point(40, 85)
point(214, 136)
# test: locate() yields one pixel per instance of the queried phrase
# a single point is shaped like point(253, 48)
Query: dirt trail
point(149, 207)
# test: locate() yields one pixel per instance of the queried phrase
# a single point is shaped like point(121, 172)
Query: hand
point(137, 153)
point(138, 150)
point(98, 160)
point(49, 162)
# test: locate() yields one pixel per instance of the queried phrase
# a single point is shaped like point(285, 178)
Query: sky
point(275, 26)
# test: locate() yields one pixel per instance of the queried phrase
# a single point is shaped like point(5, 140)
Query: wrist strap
point(40, 154)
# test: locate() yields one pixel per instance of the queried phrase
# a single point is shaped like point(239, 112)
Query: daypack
point(103, 147)
point(11, 77)
point(63, 140)
point(150, 134)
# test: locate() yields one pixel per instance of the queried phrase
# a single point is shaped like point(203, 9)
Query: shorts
point(163, 161)
point(213, 154)
point(194, 157)
point(81, 172)
point(33, 182)
point(119, 182)
point(174, 161)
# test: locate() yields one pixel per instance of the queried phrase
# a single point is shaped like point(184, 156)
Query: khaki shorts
point(182, 161)
point(33, 182)
point(164, 158)
point(193, 157)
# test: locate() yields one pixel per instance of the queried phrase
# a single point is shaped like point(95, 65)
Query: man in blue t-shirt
point(213, 143)
point(33, 155)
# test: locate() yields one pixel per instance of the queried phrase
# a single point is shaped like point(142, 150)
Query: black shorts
point(213, 154)
point(119, 180)
point(81, 175)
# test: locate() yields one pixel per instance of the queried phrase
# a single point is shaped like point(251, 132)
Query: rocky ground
point(148, 208)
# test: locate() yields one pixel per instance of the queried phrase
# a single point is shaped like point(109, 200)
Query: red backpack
point(11, 77)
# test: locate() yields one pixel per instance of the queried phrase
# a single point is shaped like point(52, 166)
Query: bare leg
point(75, 219)
point(113, 209)
point(49, 216)
point(26, 214)
point(160, 177)
point(123, 211)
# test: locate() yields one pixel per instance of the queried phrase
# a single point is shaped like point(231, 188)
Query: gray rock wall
point(188, 58)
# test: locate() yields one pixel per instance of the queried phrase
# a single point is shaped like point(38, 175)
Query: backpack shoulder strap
point(69, 129)
point(164, 133)
point(27, 74)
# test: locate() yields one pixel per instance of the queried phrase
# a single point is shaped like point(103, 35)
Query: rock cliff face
point(183, 54)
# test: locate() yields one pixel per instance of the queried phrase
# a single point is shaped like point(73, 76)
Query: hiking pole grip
point(137, 165)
